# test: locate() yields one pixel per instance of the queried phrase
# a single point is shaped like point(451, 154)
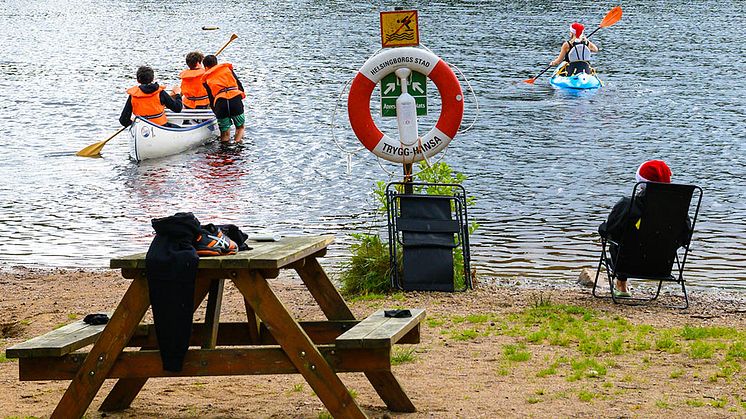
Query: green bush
point(369, 268)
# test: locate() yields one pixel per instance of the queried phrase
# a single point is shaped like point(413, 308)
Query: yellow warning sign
point(399, 29)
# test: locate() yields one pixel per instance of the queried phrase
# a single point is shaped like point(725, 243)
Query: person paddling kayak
point(576, 52)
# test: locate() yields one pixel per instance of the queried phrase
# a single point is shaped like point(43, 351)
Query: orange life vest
point(193, 93)
point(148, 105)
point(221, 82)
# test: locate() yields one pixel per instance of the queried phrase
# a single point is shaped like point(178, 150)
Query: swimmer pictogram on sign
point(399, 29)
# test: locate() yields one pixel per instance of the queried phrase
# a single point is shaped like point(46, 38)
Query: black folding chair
point(651, 244)
point(425, 231)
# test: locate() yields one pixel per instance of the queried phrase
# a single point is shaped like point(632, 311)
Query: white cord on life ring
point(375, 69)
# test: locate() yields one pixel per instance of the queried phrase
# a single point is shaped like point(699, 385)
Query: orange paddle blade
point(529, 81)
point(612, 17)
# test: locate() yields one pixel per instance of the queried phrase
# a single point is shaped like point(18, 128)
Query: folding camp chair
point(426, 230)
point(651, 244)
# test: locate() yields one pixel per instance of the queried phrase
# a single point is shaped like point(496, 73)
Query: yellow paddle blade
point(94, 150)
point(612, 17)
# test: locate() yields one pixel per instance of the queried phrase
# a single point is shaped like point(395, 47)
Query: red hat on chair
point(654, 171)
point(577, 29)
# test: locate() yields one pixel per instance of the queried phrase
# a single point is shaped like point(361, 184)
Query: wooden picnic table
point(270, 342)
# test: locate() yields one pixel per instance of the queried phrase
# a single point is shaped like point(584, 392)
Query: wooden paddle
point(94, 150)
point(611, 18)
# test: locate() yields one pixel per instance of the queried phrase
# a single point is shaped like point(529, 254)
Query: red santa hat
point(654, 171)
point(577, 29)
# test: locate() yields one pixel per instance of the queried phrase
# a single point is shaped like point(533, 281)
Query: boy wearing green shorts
point(226, 94)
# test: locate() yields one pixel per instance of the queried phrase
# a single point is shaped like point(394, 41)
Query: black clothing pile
point(171, 269)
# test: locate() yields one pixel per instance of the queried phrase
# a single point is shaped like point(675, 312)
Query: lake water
point(545, 167)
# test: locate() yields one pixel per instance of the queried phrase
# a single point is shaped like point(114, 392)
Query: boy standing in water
point(149, 100)
point(193, 92)
point(225, 92)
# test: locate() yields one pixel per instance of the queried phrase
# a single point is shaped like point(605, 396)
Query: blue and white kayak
point(580, 81)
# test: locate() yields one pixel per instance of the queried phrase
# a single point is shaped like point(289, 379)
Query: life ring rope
point(471, 90)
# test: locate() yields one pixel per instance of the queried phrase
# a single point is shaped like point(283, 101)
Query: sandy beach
point(501, 350)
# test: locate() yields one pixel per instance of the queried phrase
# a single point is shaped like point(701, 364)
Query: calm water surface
point(545, 167)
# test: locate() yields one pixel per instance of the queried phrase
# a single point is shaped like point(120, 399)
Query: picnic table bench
point(271, 341)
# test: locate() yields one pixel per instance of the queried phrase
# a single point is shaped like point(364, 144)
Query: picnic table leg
point(125, 390)
point(253, 323)
point(335, 308)
point(212, 317)
point(297, 345)
point(103, 355)
point(323, 291)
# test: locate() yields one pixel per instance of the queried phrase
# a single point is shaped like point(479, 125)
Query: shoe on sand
point(621, 294)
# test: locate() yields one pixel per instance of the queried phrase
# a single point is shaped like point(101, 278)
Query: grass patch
point(701, 350)
point(586, 368)
point(464, 335)
point(737, 350)
point(533, 400)
point(516, 353)
point(695, 403)
point(435, 322)
point(547, 371)
point(586, 396)
point(697, 333)
point(4, 359)
point(538, 337)
point(297, 388)
point(478, 318)
point(662, 404)
point(402, 356)
point(719, 403)
point(676, 373)
point(667, 343)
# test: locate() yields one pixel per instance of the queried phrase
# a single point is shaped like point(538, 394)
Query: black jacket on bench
point(171, 268)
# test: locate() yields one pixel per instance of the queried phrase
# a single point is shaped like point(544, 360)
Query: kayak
point(149, 141)
point(580, 81)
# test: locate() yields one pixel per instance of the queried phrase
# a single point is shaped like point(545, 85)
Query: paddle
point(611, 18)
point(94, 150)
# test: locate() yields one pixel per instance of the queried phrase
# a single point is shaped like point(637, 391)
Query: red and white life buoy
point(375, 69)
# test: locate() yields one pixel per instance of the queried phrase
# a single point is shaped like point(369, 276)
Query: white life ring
point(375, 69)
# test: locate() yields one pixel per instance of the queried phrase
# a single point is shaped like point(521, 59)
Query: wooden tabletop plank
point(263, 255)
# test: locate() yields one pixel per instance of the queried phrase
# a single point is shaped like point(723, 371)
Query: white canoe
point(149, 141)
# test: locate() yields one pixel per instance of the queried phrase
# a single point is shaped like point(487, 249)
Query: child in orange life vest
point(225, 92)
point(149, 100)
point(193, 92)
